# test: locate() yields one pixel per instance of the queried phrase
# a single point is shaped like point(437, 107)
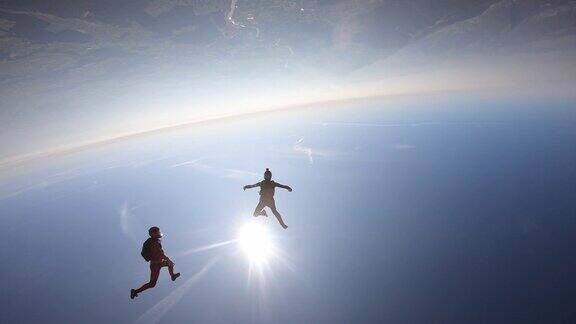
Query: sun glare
point(255, 242)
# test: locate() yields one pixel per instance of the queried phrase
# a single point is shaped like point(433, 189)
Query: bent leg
point(258, 211)
point(154, 273)
point(272, 206)
point(170, 265)
point(171, 268)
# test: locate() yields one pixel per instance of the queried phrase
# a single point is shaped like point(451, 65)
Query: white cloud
point(128, 222)
point(311, 152)
point(298, 147)
point(230, 173)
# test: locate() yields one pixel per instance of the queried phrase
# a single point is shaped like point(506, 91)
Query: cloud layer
point(73, 73)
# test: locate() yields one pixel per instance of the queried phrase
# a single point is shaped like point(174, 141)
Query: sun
point(255, 242)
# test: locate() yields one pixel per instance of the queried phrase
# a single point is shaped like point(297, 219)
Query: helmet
point(154, 229)
point(267, 174)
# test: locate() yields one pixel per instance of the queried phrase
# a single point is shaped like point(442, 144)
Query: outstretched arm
point(279, 185)
point(252, 186)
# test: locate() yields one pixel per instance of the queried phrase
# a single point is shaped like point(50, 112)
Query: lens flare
point(255, 242)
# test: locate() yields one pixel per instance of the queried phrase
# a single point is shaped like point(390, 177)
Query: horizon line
point(30, 158)
point(33, 157)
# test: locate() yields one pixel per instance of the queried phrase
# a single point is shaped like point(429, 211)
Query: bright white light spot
point(255, 242)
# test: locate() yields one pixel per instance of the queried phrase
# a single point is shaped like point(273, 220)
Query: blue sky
point(464, 214)
point(430, 145)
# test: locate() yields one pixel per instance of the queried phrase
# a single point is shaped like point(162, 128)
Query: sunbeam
point(206, 248)
point(154, 314)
